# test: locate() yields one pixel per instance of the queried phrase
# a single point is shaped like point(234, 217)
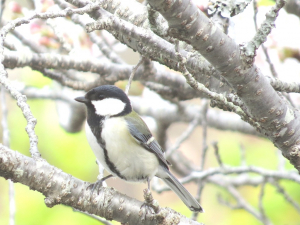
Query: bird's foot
point(95, 186)
point(150, 204)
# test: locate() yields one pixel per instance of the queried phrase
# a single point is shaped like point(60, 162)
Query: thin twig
point(102, 44)
point(272, 68)
point(260, 204)
point(204, 133)
point(242, 202)
point(271, 65)
point(45, 93)
point(60, 35)
point(286, 196)
point(217, 154)
point(21, 100)
point(203, 153)
point(133, 73)
point(285, 175)
point(9, 45)
point(217, 98)
point(46, 15)
point(186, 134)
point(227, 203)
point(32, 45)
point(261, 35)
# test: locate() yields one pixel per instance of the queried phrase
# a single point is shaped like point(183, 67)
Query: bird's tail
point(182, 193)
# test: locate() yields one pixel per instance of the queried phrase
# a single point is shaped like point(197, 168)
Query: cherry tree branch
point(61, 188)
point(276, 118)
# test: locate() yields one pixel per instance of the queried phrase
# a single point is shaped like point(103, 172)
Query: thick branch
point(62, 188)
point(109, 72)
point(154, 47)
point(277, 119)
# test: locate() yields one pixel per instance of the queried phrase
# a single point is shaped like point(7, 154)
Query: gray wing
point(140, 131)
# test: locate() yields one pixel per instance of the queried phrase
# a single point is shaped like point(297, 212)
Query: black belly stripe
point(95, 122)
point(110, 164)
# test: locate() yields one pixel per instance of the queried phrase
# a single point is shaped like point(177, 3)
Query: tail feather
point(182, 193)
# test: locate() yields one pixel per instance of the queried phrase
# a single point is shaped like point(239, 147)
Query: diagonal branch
point(148, 44)
point(21, 102)
point(276, 118)
point(261, 35)
point(62, 188)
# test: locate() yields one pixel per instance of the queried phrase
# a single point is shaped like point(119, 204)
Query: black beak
point(81, 99)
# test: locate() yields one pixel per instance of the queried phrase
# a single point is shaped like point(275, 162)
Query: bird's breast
point(132, 161)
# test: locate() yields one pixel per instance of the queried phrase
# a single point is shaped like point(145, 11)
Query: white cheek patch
point(108, 106)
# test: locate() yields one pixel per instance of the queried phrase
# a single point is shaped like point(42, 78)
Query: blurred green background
point(72, 154)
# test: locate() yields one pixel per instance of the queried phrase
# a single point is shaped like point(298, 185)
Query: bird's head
point(106, 100)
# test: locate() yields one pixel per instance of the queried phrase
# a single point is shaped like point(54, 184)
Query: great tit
point(123, 143)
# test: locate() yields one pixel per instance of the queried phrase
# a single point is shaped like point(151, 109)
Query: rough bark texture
point(277, 119)
point(62, 188)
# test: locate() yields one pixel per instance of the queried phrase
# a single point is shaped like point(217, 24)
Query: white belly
point(130, 158)
point(98, 151)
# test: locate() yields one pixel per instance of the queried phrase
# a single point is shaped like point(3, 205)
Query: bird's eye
point(101, 97)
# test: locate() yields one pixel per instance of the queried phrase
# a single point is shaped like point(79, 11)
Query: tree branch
point(61, 188)
point(276, 118)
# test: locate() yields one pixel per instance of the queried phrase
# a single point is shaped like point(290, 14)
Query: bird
point(123, 143)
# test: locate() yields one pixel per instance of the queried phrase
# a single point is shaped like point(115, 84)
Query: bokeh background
point(72, 154)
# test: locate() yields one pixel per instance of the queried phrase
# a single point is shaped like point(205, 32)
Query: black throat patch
point(96, 124)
